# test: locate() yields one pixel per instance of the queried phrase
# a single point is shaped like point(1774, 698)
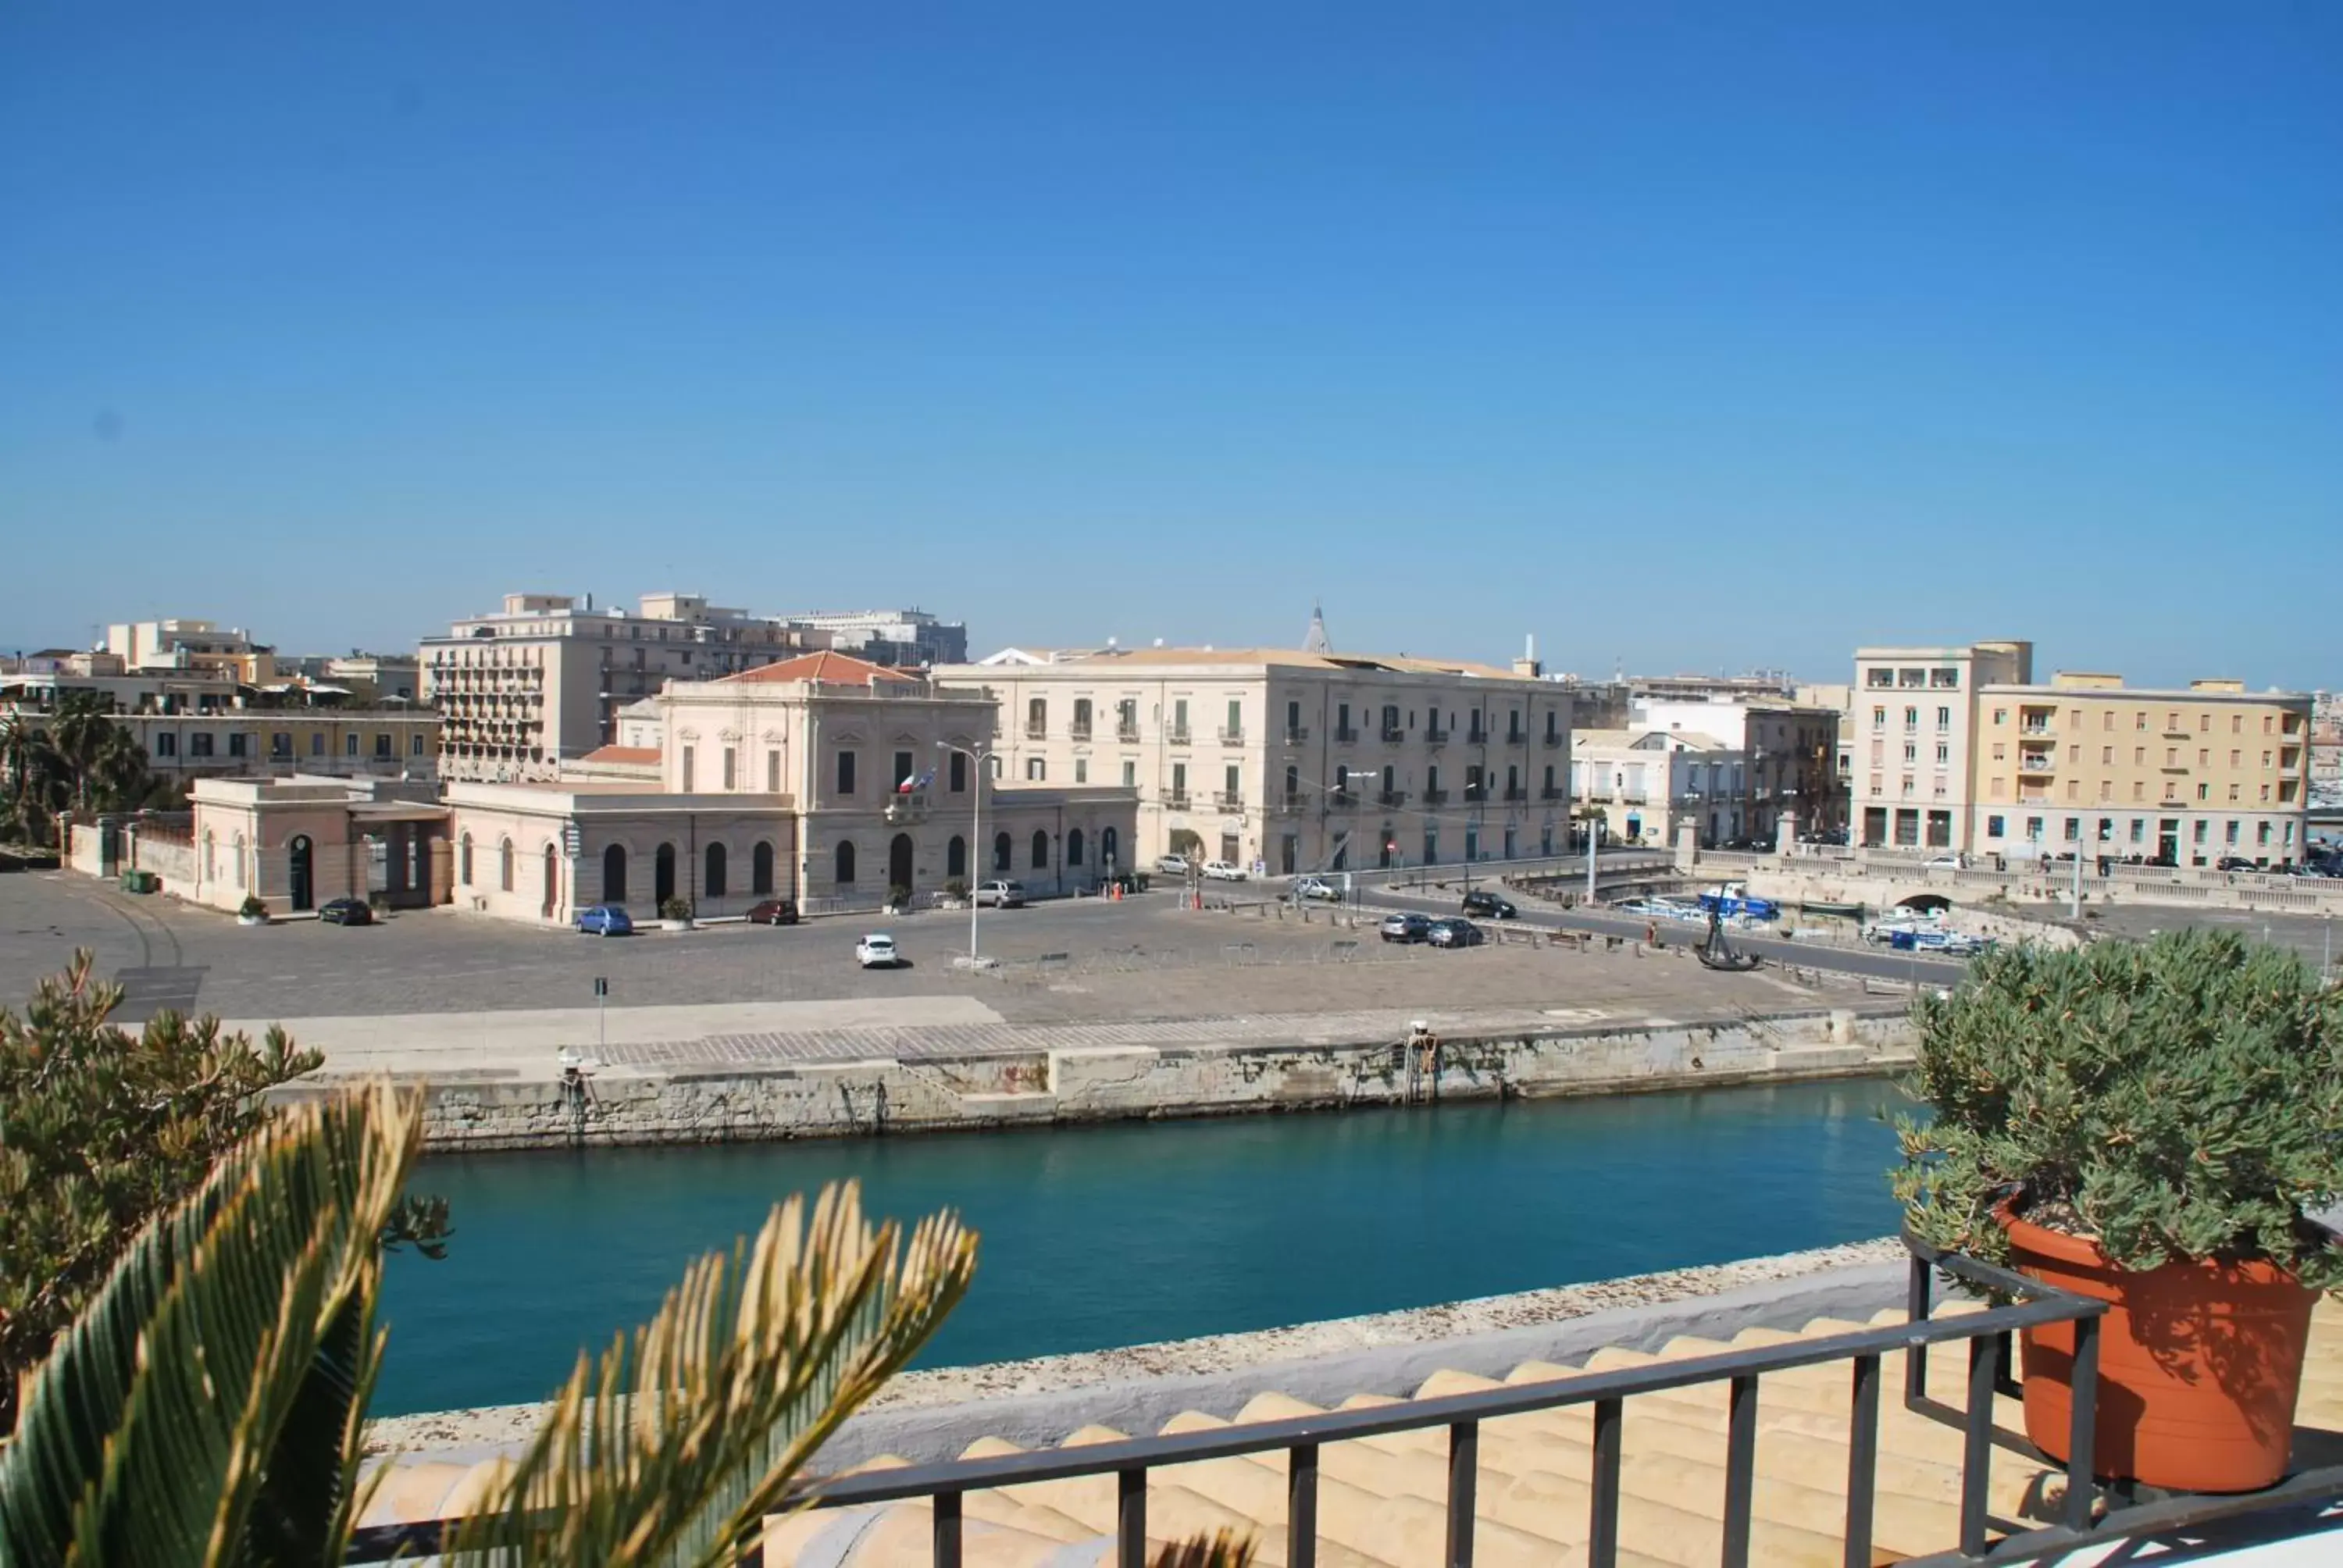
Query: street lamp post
point(982, 758)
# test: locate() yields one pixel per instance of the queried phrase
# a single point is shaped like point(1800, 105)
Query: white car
point(877, 951)
point(1223, 872)
point(1172, 865)
point(1316, 888)
point(1001, 895)
point(1943, 863)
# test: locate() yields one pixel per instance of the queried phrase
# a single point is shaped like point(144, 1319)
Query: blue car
point(604, 921)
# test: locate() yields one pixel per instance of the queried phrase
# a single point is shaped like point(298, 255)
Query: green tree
point(102, 1129)
point(208, 1407)
point(36, 780)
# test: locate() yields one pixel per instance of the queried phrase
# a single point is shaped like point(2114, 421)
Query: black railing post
point(1915, 1310)
point(1603, 1527)
point(1130, 1519)
point(946, 1526)
point(1976, 1440)
point(1862, 1460)
point(1302, 1505)
point(1740, 1470)
point(2083, 1424)
point(1463, 1470)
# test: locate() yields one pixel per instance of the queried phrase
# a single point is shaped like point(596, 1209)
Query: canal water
point(1136, 1231)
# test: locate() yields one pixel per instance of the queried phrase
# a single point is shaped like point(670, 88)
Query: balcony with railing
point(1176, 800)
point(1037, 730)
point(1176, 738)
point(1436, 796)
point(1516, 738)
point(1126, 733)
point(1393, 735)
point(1228, 800)
point(2036, 762)
point(1434, 735)
point(1391, 797)
point(907, 806)
point(1515, 794)
point(1295, 734)
point(1476, 736)
point(1475, 793)
point(1345, 735)
point(1554, 793)
point(1552, 738)
point(1232, 737)
point(1341, 800)
point(1079, 729)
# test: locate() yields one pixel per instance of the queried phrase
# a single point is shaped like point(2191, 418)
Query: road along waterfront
point(1140, 1231)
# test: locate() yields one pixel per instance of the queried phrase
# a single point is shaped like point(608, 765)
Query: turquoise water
point(1151, 1231)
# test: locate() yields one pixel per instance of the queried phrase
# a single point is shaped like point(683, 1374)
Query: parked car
point(774, 913)
point(1172, 865)
point(1224, 871)
point(1945, 863)
point(1315, 888)
point(1001, 895)
point(877, 951)
point(604, 921)
point(1405, 925)
point(1454, 932)
point(1488, 905)
point(2235, 863)
point(345, 912)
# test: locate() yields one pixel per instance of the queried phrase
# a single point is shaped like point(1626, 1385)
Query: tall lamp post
point(981, 756)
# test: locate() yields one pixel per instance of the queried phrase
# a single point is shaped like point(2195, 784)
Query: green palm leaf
point(209, 1398)
point(674, 1450)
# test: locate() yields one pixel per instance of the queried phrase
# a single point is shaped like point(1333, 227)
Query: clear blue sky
point(1694, 336)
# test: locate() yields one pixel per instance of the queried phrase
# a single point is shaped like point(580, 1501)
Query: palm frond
point(222, 1367)
point(673, 1449)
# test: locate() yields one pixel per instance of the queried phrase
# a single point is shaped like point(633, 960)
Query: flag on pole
point(916, 781)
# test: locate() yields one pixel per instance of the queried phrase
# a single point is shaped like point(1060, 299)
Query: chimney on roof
point(1527, 666)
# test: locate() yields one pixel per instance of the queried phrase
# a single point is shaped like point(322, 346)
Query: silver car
point(1001, 895)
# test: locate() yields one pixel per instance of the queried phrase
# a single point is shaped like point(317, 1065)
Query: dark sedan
point(1405, 926)
point(1489, 906)
point(1455, 933)
point(774, 913)
point(345, 912)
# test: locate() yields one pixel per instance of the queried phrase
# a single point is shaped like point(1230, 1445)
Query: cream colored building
point(1296, 761)
point(182, 643)
point(823, 778)
point(1646, 782)
point(1789, 757)
point(296, 843)
point(1959, 749)
point(542, 681)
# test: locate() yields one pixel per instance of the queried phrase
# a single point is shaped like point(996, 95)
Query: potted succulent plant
point(2152, 1125)
point(252, 912)
point(675, 915)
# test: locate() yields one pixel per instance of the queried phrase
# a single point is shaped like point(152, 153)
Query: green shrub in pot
point(2175, 1098)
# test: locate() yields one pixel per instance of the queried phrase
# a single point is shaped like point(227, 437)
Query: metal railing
point(1989, 1335)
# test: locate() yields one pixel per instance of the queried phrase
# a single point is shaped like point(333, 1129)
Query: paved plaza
point(447, 991)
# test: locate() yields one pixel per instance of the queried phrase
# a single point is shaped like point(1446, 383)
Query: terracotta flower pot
point(2200, 1364)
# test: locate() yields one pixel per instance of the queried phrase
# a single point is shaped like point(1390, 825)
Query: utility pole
point(980, 763)
point(1590, 859)
point(2075, 911)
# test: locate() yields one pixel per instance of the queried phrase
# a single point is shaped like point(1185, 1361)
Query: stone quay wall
point(883, 1095)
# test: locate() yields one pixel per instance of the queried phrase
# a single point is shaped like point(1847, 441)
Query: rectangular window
point(1944, 719)
point(350, 745)
point(1036, 769)
point(1179, 717)
point(1081, 769)
point(2233, 832)
point(1236, 717)
point(415, 745)
point(1999, 751)
point(280, 743)
point(2075, 829)
point(1911, 718)
point(1230, 786)
point(905, 770)
point(688, 760)
point(2139, 756)
point(1879, 719)
point(1130, 775)
point(2199, 834)
point(238, 742)
point(2001, 716)
point(2233, 791)
point(1179, 779)
point(2108, 719)
point(2034, 829)
point(382, 746)
point(1993, 827)
point(167, 745)
point(199, 744)
point(2106, 756)
point(845, 773)
point(2236, 724)
point(773, 771)
point(1943, 754)
point(729, 781)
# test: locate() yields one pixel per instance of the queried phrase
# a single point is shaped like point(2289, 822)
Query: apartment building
point(1647, 782)
point(203, 723)
point(1915, 720)
point(185, 644)
point(543, 679)
point(2326, 748)
point(911, 639)
point(1959, 749)
point(1298, 761)
point(1789, 753)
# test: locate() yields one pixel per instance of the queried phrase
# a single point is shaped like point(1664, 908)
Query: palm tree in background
point(35, 781)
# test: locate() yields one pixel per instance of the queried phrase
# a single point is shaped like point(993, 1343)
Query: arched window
point(712, 882)
point(956, 857)
point(1107, 847)
point(844, 876)
point(1073, 847)
point(613, 874)
point(1041, 848)
point(463, 859)
point(504, 864)
point(1001, 850)
point(760, 869)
